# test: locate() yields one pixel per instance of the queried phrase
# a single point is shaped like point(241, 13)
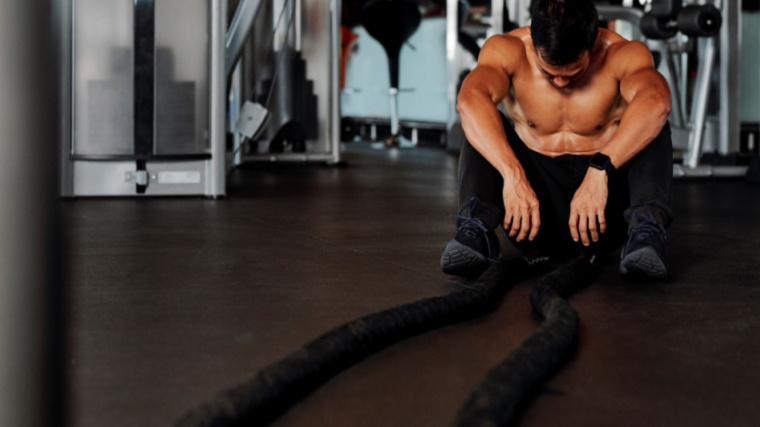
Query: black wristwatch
point(602, 162)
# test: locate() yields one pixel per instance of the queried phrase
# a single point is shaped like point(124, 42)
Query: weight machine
point(144, 91)
point(284, 81)
point(712, 27)
point(142, 97)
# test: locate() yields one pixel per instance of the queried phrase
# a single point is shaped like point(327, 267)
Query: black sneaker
point(473, 249)
point(644, 253)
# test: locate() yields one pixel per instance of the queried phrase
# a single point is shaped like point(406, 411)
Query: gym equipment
point(143, 106)
point(423, 104)
point(459, 64)
point(392, 22)
point(692, 20)
point(427, 99)
point(703, 23)
point(288, 75)
point(699, 21)
point(494, 400)
point(238, 33)
point(665, 27)
point(277, 387)
point(294, 108)
point(657, 28)
point(665, 8)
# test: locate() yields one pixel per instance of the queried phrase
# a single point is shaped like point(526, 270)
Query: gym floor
point(175, 299)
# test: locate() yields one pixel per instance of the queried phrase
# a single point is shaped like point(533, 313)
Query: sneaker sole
point(461, 260)
point(644, 262)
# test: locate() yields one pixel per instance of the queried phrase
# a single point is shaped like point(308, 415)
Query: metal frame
point(332, 133)
point(628, 14)
point(729, 68)
point(519, 13)
point(698, 110)
point(240, 29)
point(215, 182)
point(452, 59)
point(691, 130)
point(497, 16)
point(729, 93)
point(109, 177)
point(63, 27)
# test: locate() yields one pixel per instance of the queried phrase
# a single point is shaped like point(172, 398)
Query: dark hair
point(563, 29)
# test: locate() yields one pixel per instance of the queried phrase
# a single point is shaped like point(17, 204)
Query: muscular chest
point(582, 109)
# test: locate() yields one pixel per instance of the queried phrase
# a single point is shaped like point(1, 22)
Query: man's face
point(560, 76)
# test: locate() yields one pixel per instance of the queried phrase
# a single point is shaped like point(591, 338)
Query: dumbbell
point(692, 20)
point(699, 21)
point(655, 28)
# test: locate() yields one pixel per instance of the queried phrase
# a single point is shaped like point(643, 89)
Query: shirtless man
point(587, 157)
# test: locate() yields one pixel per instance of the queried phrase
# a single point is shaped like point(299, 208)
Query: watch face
point(600, 161)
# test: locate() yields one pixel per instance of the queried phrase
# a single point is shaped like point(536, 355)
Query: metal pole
point(297, 28)
point(240, 29)
point(521, 15)
point(497, 16)
point(627, 14)
point(699, 103)
point(452, 19)
point(730, 48)
point(62, 28)
point(31, 286)
point(670, 66)
point(216, 184)
point(334, 121)
point(393, 92)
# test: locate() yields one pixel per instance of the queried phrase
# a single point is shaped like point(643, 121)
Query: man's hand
point(587, 207)
point(521, 205)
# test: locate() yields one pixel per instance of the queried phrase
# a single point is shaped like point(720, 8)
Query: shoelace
point(469, 225)
point(646, 227)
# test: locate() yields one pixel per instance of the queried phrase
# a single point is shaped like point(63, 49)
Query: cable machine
point(145, 97)
point(283, 69)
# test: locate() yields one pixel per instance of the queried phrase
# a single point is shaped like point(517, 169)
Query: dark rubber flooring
point(175, 299)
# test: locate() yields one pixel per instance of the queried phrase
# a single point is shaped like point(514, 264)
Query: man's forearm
point(484, 129)
point(642, 121)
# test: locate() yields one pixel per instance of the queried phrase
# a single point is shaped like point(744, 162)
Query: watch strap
point(602, 162)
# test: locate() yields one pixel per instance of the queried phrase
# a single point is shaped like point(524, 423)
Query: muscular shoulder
point(629, 57)
point(503, 52)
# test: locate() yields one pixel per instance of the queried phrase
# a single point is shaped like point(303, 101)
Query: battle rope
point(274, 389)
point(493, 403)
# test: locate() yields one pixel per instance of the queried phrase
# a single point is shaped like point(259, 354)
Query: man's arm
point(648, 97)
point(485, 87)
